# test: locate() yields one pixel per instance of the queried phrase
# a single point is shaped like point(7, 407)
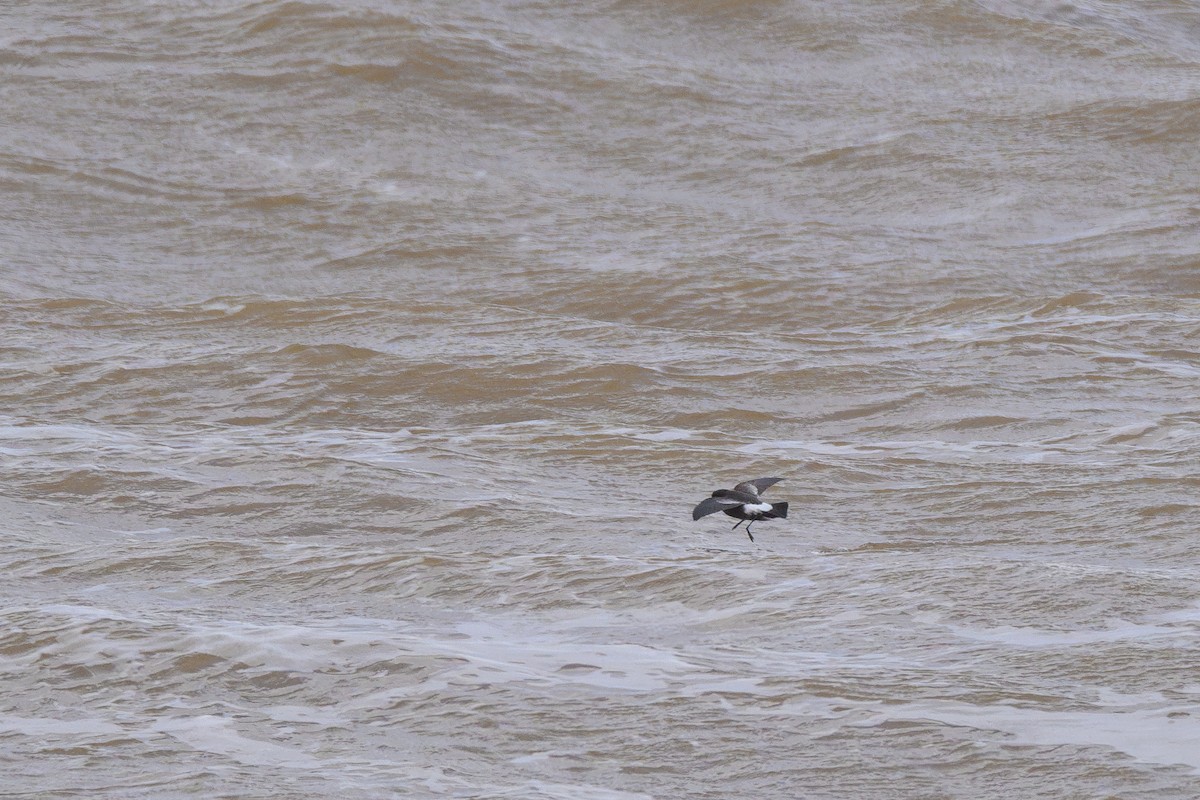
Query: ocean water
point(361, 362)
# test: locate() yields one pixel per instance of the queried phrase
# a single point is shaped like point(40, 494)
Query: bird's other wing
point(756, 486)
point(733, 494)
point(712, 505)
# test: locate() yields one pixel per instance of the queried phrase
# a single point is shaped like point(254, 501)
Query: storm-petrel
point(742, 502)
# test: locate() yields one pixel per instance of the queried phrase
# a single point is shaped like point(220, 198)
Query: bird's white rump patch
point(751, 508)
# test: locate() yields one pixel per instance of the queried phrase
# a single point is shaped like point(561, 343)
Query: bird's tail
point(778, 510)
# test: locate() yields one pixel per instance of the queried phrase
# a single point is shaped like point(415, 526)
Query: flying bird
point(742, 502)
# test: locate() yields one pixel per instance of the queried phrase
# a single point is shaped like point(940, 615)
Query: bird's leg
point(748, 533)
point(740, 521)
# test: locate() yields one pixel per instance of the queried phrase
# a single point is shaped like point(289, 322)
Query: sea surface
point(361, 363)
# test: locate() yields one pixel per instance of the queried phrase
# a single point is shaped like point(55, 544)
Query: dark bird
point(742, 502)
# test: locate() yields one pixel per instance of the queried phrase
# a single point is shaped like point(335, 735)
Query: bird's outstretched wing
point(712, 505)
point(756, 486)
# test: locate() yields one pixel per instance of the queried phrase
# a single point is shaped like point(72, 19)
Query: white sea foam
point(1169, 734)
point(219, 735)
point(1032, 637)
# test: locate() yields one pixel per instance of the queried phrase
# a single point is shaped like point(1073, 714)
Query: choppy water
point(360, 364)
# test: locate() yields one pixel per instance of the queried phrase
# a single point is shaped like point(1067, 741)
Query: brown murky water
point(360, 364)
